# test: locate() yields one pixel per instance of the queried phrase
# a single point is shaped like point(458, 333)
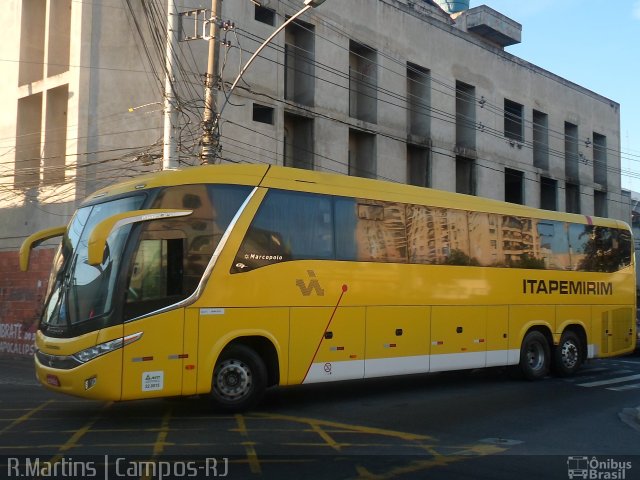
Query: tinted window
point(294, 225)
point(624, 241)
point(437, 235)
point(173, 253)
point(288, 226)
point(370, 230)
point(553, 241)
point(520, 244)
point(601, 249)
point(579, 238)
point(484, 239)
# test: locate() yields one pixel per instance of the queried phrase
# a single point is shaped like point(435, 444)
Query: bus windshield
point(78, 291)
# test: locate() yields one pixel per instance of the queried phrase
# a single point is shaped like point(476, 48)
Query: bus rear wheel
point(239, 379)
point(535, 356)
point(568, 354)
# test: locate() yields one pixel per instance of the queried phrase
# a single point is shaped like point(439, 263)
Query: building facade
point(391, 89)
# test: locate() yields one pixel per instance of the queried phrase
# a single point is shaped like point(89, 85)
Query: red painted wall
point(21, 297)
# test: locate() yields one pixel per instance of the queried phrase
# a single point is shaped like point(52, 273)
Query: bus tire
point(535, 356)
point(568, 355)
point(239, 379)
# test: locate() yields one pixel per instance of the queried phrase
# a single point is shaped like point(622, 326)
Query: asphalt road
point(479, 424)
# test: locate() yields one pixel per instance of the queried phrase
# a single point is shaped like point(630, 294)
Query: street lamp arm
point(309, 4)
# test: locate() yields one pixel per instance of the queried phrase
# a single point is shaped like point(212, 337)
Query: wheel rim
point(569, 354)
point(535, 356)
point(234, 379)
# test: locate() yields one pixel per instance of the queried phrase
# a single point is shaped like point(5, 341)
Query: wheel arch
point(266, 349)
point(539, 327)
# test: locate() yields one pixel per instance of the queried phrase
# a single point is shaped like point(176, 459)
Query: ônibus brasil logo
point(595, 468)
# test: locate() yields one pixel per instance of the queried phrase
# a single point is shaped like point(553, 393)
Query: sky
point(595, 44)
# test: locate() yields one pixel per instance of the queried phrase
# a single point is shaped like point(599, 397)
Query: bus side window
point(484, 239)
point(623, 247)
point(156, 277)
point(596, 249)
point(610, 250)
point(380, 232)
point(579, 237)
point(288, 226)
point(437, 235)
point(553, 244)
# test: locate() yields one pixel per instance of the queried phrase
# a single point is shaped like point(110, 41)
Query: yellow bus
point(226, 280)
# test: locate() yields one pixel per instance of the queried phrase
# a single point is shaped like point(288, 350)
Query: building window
point(465, 117)
point(265, 15)
point(263, 114)
point(362, 154)
point(55, 135)
point(548, 194)
point(599, 159)
point(298, 141)
point(363, 82)
point(513, 186)
point(540, 140)
point(572, 196)
point(513, 120)
point(28, 141)
point(418, 166)
point(465, 175)
point(418, 101)
point(32, 41)
point(59, 37)
point(571, 151)
point(299, 70)
point(600, 204)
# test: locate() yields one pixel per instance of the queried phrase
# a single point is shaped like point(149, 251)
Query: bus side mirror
point(36, 239)
point(100, 233)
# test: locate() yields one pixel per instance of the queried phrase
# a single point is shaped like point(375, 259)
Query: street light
point(308, 4)
point(211, 119)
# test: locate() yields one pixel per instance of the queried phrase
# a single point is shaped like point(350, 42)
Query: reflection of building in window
point(380, 232)
point(520, 241)
point(436, 233)
point(484, 238)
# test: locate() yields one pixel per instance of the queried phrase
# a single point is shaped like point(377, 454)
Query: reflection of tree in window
point(603, 250)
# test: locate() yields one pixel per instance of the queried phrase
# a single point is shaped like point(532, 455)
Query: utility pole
point(210, 140)
point(170, 149)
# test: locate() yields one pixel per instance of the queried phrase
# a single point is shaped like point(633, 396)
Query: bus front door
point(152, 365)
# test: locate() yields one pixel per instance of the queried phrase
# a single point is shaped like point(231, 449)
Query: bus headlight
point(90, 353)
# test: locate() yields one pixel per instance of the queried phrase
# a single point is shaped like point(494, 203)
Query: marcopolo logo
point(597, 469)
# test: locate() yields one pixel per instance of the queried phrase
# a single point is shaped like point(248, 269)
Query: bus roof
point(286, 178)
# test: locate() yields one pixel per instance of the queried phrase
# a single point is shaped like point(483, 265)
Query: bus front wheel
point(568, 354)
point(239, 379)
point(535, 356)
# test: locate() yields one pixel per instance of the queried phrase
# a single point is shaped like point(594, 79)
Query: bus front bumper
point(98, 379)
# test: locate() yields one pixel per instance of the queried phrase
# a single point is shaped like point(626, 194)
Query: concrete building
point(393, 89)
